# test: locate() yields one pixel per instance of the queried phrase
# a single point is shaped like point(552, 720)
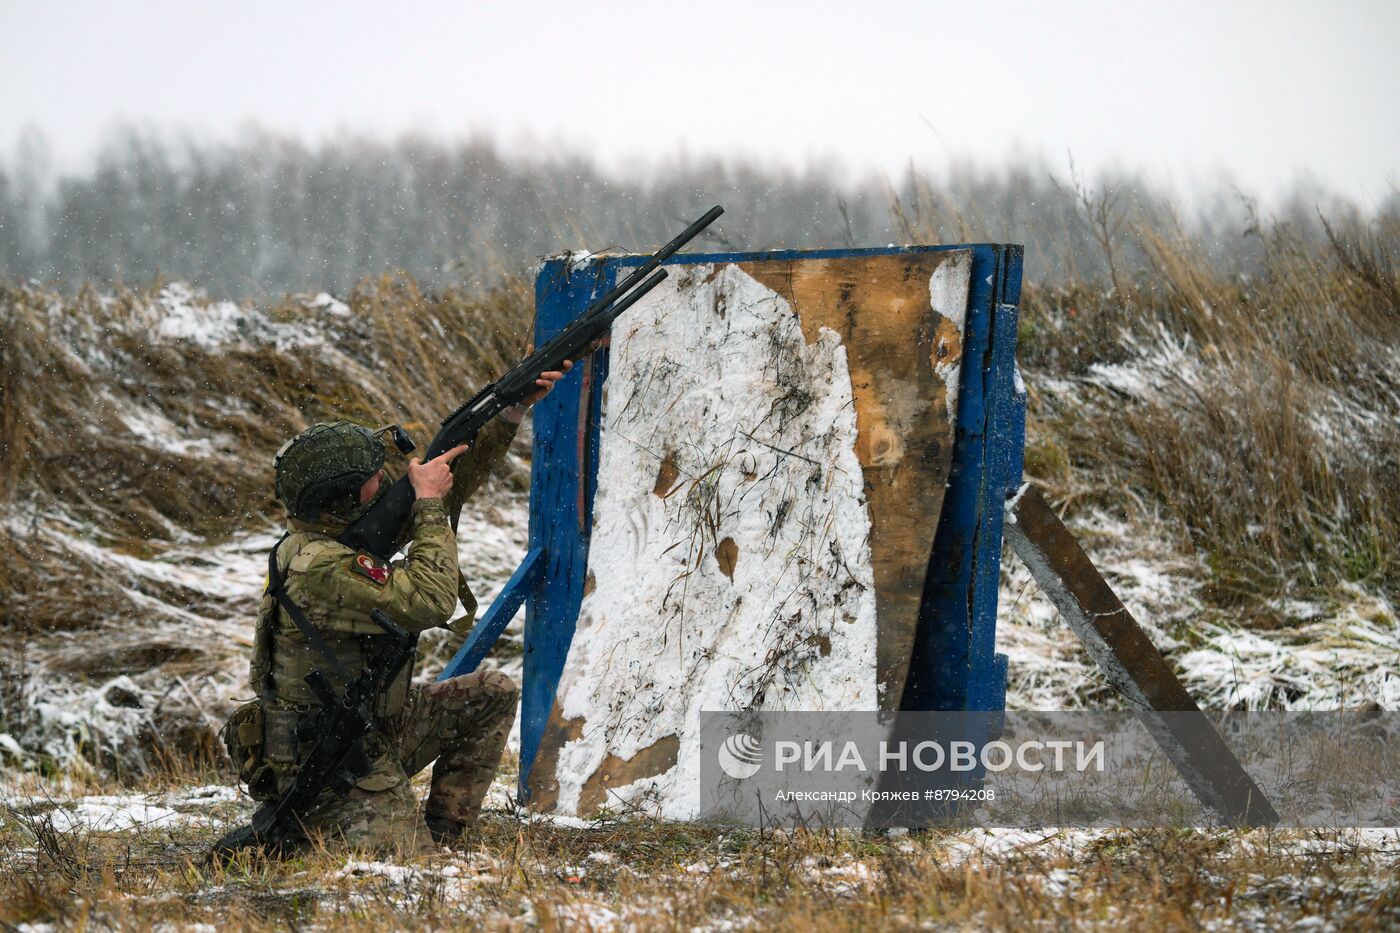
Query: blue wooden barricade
point(953, 664)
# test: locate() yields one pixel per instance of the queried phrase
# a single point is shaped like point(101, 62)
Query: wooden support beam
point(485, 633)
point(1131, 663)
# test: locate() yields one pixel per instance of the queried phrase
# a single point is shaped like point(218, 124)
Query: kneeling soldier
point(315, 615)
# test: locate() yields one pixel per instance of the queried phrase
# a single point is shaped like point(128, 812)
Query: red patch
point(367, 566)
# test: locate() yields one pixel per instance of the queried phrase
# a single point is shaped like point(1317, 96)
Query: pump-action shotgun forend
point(377, 531)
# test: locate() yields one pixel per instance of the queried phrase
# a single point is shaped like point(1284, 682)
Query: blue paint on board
point(953, 665)
point(484, 634)
point(561, 517)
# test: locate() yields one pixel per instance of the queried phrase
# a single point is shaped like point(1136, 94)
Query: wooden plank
point(484, 634)
point(1131, 663)
point(953, 666)
point(905, 357)
point(777, 431)
point(560, 517)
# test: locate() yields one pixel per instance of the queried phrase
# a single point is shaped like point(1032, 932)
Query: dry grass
point(119, 442)
point(1266, 427)
point(1255, 415)
point(1258, 415)
point(647, 875)
point(78, 377)
point(71, 367)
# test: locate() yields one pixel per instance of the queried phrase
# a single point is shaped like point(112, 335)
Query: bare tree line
point(267, 214)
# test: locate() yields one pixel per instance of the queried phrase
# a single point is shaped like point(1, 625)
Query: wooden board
point(776, 442)
point(904, 357)
point(1132, 664)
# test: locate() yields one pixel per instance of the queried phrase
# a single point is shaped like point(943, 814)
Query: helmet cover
point(323, 468)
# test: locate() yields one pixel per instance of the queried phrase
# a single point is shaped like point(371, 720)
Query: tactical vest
point(282, 657)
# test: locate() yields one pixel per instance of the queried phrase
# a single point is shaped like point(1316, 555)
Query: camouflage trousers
point(458, 725)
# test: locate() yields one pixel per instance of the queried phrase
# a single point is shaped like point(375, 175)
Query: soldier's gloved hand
point(433, 480)
point(546, 381)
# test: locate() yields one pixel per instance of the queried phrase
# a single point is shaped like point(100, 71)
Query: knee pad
point(500, 685)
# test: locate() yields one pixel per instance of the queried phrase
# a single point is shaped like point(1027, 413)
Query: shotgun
point(378, 531)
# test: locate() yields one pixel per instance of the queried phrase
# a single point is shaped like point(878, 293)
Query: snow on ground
point(1329, 657)
point(190, 596)
point(1047, 667)
point(491, 541)
point(153, 428)
point(1323, 656)
point(112, 813)
point(200, 599)
point(1056, 862)
point(189, 599)
point(324, 301)
point(183, 312)
point(1326, 657)
point(1000, 844)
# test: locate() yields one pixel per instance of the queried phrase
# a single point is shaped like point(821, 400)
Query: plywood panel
point(776, 441)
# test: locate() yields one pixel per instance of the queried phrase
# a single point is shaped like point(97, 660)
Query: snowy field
point(560, 873)
point(105, 824)
point(171, 661)
point(132, 860)
point(1333, 656)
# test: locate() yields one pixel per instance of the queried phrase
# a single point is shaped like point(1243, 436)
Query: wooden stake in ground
point(1132, 664)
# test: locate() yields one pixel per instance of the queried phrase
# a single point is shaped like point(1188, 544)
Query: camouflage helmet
point(323, 468)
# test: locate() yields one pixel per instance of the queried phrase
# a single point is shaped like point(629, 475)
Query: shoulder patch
point(367, 566)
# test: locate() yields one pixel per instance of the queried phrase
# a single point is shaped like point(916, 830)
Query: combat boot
point(445, 830)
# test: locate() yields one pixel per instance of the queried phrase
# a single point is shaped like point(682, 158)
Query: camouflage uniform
point(461, 723)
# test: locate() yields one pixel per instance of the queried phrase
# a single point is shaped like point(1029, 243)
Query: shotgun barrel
point(378, 531)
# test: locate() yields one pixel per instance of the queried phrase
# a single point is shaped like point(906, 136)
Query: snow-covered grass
point(1236, 487)
point(1257, 419)
point(1341, 654)
point(127, 697)
point(135, 860)
point(136, 603)
point(1226, 449)
point(138, 431)
point(196, 607)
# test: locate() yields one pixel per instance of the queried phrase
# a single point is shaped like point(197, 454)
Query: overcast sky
point(1263, 91)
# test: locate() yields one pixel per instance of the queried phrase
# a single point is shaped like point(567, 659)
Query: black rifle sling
point(303, 624)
